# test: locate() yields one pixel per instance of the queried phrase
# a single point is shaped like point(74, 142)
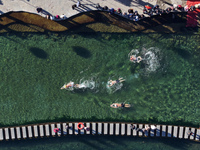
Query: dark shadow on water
point(82, 51)
point(38, 52)
point(135, 67)
point(183, 53)
point(98, 142)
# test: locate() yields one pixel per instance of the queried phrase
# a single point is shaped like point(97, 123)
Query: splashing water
point(83, 84)
point(133, 52)
point(90, 84)
point(112, 89)
point(150, 58)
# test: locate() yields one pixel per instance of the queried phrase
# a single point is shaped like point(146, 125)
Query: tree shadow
point(183, 53)
point(82, 51)
point(38, 52)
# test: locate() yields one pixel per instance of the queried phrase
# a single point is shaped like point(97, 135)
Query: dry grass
point(95, 21)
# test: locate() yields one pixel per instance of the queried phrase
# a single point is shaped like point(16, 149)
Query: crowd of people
point(147, 128)
point(148, 11)
point(144, 130)
point(67, 127)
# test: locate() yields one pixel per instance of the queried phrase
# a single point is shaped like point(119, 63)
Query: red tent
point(147, 7)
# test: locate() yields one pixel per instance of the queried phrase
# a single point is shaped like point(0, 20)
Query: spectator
point(87, 128)
point(192, 8)
point(39, 9)
point(156, 7)
point(111, 11)
point(145, 11)
point(168, 10)
point(147, 128)
point(150, 13)
point(48, 17)
point(133, 127)
point(196, 6)
point(157, 12)
point(136, 18)
point(172, 9)
point(119, 11)
point(175, 6)
point(68, 127)
point(56, 130)
point(153, 127)
point(130, 11)
point(136, 13)
point(130, 16)
point(199, 5)
point(105, 8)
point(179, 7)
point(125, 15)
point(186, 8)
point(57, 17)
point(162, 12)
point(73, 6)
point(78, 4)
point(98, 6)
point(63, 16)
point(189, 132)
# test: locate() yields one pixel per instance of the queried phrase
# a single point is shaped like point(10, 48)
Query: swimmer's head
point(63, 87)
point(133, 58)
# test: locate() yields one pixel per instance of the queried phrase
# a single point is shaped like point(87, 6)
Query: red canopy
point(147, 7)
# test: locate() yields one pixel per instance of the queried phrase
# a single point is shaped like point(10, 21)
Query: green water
point(35, 66)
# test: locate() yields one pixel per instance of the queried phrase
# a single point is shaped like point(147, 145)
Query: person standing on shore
point(39, 9)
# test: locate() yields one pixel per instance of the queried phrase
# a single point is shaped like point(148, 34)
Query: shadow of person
point(46, 12)
point(82, 52)
point(38, 52)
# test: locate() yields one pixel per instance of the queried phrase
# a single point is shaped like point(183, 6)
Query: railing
point(97, 128)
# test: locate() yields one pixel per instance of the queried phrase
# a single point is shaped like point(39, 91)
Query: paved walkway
point(59, 7)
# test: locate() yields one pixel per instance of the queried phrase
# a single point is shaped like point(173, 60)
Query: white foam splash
point(112, 89)
point(150, 57)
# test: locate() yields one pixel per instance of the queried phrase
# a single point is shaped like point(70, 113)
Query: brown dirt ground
point(95, 21)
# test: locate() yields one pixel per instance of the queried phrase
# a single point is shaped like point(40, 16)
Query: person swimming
point(135, 59)
point(111, 82)
point(120, 105)
point(68, 85)
point(80, 86)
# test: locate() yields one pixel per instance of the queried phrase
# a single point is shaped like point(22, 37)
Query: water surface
point(164, 88)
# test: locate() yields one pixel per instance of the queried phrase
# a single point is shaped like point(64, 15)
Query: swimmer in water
point(80, 86)
point(111, 82)
point(134, 59)
point(68, 85)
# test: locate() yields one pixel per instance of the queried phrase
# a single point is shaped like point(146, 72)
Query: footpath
point(59, 7)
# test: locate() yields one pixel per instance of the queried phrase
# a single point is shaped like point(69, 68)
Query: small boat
point(120, 105)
